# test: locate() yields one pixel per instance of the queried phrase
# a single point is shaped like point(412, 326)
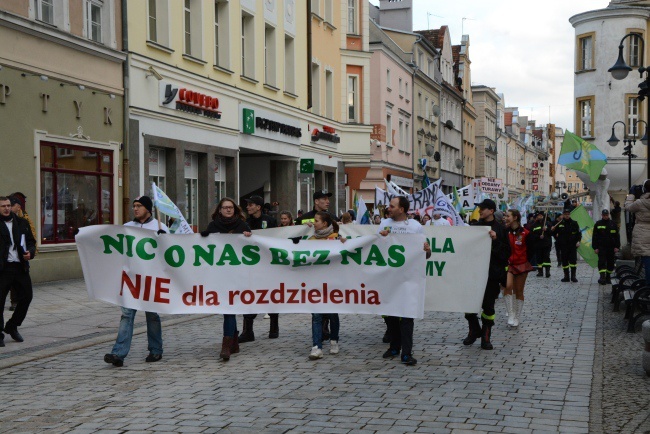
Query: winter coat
point(520, 241)
point(605, 235)
point(264, 221)
point(568, 233)
point(535, 233)
point(218, 227)
point(500, 251)
point(641, 232)
point(19, 228)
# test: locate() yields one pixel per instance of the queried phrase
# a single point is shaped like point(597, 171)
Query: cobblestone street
point(544, 377)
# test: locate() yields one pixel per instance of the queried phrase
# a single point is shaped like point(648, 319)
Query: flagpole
point(158, 215)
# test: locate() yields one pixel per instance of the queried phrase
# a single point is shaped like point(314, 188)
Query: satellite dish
point(435, 110)
point(554, 195)
point(436, 156)
point(541, 164)
point(564, 196)
point(449, 124)
point(458, 163)
point(430, 150)
point(523, 182)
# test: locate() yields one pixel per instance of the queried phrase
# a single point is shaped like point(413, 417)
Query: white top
point(440, 222)
point(152, 224)
point(408, 226)
point(13, 251)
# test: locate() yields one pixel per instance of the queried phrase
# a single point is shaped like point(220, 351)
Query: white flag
point(166, 206)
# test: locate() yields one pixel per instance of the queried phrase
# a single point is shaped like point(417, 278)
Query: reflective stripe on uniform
point(490, 317)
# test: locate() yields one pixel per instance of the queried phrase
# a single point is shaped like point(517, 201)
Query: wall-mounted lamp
point(42, 77)
point(151, 72)
point(78, 86)
point(110, 95)
point(375, 142)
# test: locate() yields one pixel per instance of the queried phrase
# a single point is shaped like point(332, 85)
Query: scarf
point(229, 224)
point(323, 233)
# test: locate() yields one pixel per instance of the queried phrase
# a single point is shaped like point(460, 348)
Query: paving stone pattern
point(538, 378)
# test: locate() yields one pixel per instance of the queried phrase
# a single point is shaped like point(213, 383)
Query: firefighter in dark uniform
point(541, 239)
point(568, 237)
point(605, 242)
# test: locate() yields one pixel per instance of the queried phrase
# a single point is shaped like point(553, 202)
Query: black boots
point(603, 278)
point(386, 338)
point(474, 329)
point(566, 276)
point(274, 330)
point(540, 271)
point(548, 270)
point(486, 332)
point(247, 332)
point(573, 274)
point(225, 348)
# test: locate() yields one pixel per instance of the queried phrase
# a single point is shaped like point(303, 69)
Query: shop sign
point(259, 122)
point(328, 134)
point(189, 101)
point(306, 165)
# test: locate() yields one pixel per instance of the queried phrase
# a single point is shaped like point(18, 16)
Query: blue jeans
point(317, 328)
point(646, 267)
point(229, 325)
point(125, 333)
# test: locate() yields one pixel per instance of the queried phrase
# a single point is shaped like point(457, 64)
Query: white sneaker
point(334, 347)
point(267, 316)
point(316, 353)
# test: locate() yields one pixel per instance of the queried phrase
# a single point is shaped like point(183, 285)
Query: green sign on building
point(249, 121)
point(306, 165)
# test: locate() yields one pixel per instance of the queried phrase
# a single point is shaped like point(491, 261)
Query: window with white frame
point(270, 55)
point(289, 64)
point(585, 52)
point(157, 167)
point(222, 33)
point(406, 90)
point(187, 27)
point(352, 17)
point(420, 108)
point(191, 173)
point(353, 98)
point(632, 110)
point(399, 87)
point(315, 88)
point(329, 11)
point(407, 144)
point(585, 108)
point(430, 68)
point(44, 10)
point(329, 94)
point(158, 21)
point(219, 178)
point(388, 86)
point(247, 45)
point(426, 109)
point(94, 20)
point(389, 129)
point(400, 132)
point(315, 7)
point(192, 28)
point(420, 59)
point(634, 51)
point(152, 17)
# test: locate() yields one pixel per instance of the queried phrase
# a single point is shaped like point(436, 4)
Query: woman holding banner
point(325, 228)
point(518, 266)
point(228, 218)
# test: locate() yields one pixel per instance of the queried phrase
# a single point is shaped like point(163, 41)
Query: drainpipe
point(415, 70)
point(309, 54)
point(125, 116)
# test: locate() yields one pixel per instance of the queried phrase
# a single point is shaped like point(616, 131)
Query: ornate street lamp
point(629, 144)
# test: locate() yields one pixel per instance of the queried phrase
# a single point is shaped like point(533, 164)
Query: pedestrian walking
point(400, 329)
point(499, 254)
point(518, 266)
point(568, 237)
point(17, 247)
point(541, 240)
point(325, 228)
point(558, 247)
point(18, 203)
point(605, 241)
point(142, 218)
point(228, 218)
point(258, 220)
point(641, 232)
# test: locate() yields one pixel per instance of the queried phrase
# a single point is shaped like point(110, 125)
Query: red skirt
point(520, 268)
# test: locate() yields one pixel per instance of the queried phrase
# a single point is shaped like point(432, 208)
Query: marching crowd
point(516, 250)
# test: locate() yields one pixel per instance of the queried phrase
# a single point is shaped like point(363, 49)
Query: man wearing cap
point(17, 248)
point(568, 237)
point(605, 242)
point(499, 254)
point(541, 239)
point(321, 203)
point(143, 218)
point(258, 220)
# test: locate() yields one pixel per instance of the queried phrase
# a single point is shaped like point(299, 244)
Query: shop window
point(192, 189)
point(219, 178)
point(157, 168)
point(76, 190)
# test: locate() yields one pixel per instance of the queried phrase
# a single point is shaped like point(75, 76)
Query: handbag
point(520, 268)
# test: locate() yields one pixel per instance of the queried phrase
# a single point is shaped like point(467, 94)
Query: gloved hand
point(296, 240)
point(161, 231)
point(205, 233)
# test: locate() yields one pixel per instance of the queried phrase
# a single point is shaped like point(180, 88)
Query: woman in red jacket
point(518, 266)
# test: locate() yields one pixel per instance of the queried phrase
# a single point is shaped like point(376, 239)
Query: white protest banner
point(491, 185)
point(228, 273)
point(456, 272)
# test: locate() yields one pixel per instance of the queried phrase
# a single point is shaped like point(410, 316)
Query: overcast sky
point(524, 49)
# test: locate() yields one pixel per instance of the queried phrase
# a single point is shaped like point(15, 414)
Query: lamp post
point(619, 71)
point(629, 144)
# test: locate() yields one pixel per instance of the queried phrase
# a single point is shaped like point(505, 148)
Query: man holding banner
point(400, 330)
point(142, 212)
point(499, 255)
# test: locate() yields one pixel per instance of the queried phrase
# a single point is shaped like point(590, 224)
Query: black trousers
point(14, 275)
point(558, 253)
point(569, 256)
point(254, 315)
point(400, 331)
point(606, 260)
point(544, 256)
point(492, 290)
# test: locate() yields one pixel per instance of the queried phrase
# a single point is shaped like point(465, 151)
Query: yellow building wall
point(173, 54)
point(325, 38)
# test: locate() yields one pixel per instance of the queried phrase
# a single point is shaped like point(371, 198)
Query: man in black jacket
point(605, 242)
point(321, 203)
point(499, 254)
point(568, 237)
point(541, 239)
point(258, 220)
point(17, 247)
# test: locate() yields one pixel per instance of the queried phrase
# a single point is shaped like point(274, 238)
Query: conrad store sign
point(189, 100)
